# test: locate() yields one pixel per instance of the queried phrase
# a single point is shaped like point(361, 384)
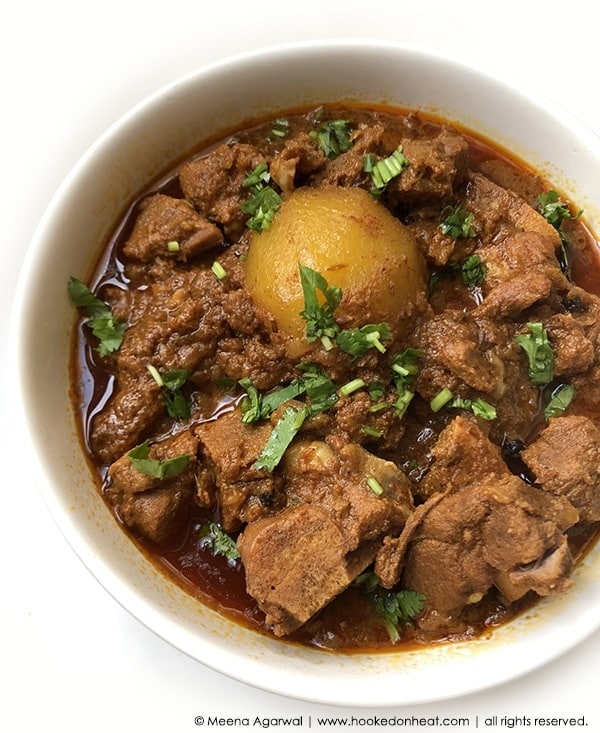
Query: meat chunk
point(565, 460)
point(300, 157)
point(176, 327)
point(296, 563)
point(455, 353)
point(347, 169)
point(480, 526)
point(214, 184)
point(155, 507)
point(501, 213)
point(520, 253)
point(339, 508)
point(461, 454)
point(573, 351)
point(231, 448)
point(498, 526)
point(436, 167)
point(163, 220)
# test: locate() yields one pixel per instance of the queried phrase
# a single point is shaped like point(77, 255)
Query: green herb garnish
point(265, 201)
point(560, 399)
point(355, 341)
point(396, 609)
point(554, 209)
point(177, 404)
point(282, 435)
point(213, 536)
point(158, 469)
point(107, 328)
point(333, 137)
point(472, 271)
point(280, 129)
point(320, 323)
point(540, 355)
point(383, 171)
point(457, 222)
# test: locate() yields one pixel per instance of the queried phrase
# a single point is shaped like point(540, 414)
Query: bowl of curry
point(319, 401)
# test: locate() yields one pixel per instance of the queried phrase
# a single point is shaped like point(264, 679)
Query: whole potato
point(354, 242)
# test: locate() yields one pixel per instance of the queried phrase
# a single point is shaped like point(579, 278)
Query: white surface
point(72, 659)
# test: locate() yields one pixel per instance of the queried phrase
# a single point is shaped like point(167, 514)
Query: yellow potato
point(354, 242)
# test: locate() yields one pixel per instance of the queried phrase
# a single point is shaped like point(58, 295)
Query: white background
point(71, 659)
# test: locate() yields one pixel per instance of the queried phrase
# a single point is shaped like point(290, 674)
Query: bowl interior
point(78, 221)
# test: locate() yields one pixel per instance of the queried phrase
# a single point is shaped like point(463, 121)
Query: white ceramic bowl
point(137, 148)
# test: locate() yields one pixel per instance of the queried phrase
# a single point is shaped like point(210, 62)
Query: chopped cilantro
point(355, 341)
point(457, 222)
point(333, 137)
point(560, 399)
point(396, 609)
point(375, 486)
point(554, 209)
point(259, 407)
point(280, 129)
point(540, 355)
point(177, 404)
point(282, 435)
point(158, 469)
point(213, 536)
point(265, 201)
point(262, 208)
point(442, 398)
point(107, 328)
point(473, 271)
point(218, 270)
point(352, 386)
point(320, 323)
point(480, 408)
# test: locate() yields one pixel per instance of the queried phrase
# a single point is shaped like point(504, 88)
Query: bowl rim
point(253, 671)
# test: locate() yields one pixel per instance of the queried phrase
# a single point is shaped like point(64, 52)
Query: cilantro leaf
point(107, 328)
point(540, 355)
point(333, 137)
point(259, 407)
point(262, 208)
point(396, 609)
point(282, 435)
point(457, 222)
point(320, 322)
point(554, 209)
point(560, 399)
point(265, 201)
point(355, 341)
point(158, 469)
point(473, 271)
point(176, 402)
point(213, 536)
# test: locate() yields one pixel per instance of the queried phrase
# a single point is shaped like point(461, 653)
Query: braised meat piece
point(500, 213)
point(340, 506)
point(481, 526)
point(231, 448)
point(296, 562)
point(436, 168)
point(455, 353)
point(214, 184)
point(565, 461)
point(165, 221)
point(156, 507)
point(176, 327)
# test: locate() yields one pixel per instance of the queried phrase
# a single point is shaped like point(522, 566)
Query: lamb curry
point(338, 374)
